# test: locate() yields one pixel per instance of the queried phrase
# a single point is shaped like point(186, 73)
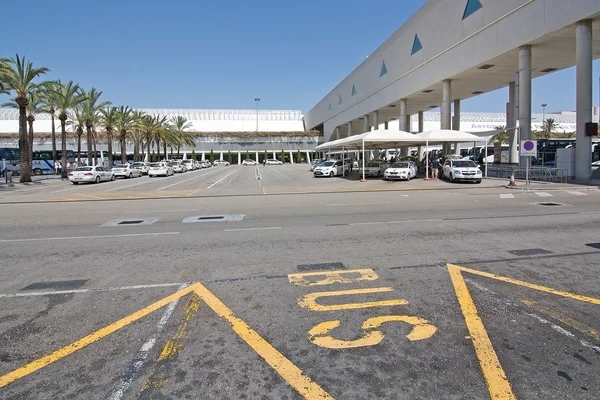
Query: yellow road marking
point(194, 192)
point(586, 330)
point(319, 335)
point(585, 299)
point(284, 367)
point(91, 196)
point(173, 346)
point(330, 277)
point(493, 373)
point(309, 300)
point(89, 339)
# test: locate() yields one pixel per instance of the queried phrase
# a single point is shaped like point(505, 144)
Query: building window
point(416, 45)
point(383, 69)
point(471, 7)
point(340, 100)
point(353, 90)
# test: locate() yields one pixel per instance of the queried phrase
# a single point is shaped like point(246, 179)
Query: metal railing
point(543, 174)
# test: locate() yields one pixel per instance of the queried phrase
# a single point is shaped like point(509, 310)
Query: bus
point(9, 160)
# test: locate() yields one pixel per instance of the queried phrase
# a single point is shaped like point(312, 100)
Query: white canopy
point(447, 135)
point(377, 139)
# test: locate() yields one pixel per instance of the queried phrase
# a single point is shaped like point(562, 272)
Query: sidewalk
point(34, 178)
point(592, 184)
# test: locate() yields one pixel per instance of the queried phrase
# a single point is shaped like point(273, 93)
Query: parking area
point(345, 295)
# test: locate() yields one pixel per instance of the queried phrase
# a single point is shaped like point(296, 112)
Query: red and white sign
point(528, 148)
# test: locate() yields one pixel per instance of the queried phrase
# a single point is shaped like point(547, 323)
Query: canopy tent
point(377, 139)
point(446, 135)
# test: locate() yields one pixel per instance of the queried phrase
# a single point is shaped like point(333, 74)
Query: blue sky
point(223, 54)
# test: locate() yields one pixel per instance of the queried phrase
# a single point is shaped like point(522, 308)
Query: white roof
point(380, 138)
point(446, 136)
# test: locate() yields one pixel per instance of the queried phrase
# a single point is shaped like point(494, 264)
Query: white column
point(349, 124)
point(256, 154)
point(203, 156)
point(524, 94)
point(239, 158)
point(376, 120)
point(221, 156)
point(291, 157)
point(337, 132)
point(511, 121)
point(366, 126)
point(308, 156)
point(446, 112)
point(583, 48)
point(274, 156)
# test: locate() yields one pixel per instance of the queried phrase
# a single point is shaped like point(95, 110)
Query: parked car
point(160, 169)
point(332, 168)
point(401, 170)
point(142, 166)
point(462, 170)
point(316, 163)
point(189, 164)
point(249, 161)
point(90, 174)
point(375, 168)
point(221, 162)
point(273, 161)
point(595, 165)
point(126, 171)
point(178, 167)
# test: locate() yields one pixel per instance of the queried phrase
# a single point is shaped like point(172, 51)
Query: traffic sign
point(529, 148)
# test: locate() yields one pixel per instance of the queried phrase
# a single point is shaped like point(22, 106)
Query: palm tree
point(498, 140)
point(548, 127)
point(109, 119)
point(125, 123)
point(68, 96)
point(179, 126)
point(77, 118)
point(91, 107)
point(49, 107)
point(17, 75)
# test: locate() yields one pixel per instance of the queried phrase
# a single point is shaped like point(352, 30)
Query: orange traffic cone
point(512, 179)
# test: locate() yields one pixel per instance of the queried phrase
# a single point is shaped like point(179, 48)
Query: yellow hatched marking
point(493, 373)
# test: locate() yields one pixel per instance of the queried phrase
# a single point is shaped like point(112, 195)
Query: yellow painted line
point(91, 196)
point(331, 277)
point(285, 368)
point(310, 300)
point(585, 299)
point(89, 339)
point(493, 373)
point(581, 327)
point(194, 192)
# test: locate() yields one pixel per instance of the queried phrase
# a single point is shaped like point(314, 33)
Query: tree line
point(82, 111)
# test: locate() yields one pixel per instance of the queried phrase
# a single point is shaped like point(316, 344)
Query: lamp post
point(257, 99)
point(543, 115)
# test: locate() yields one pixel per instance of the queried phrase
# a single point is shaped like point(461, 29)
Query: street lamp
point(543, 115)
point(257, 99)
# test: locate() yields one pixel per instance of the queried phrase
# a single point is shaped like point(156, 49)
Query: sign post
point(528, 149)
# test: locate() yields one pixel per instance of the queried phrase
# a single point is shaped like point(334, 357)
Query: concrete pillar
point(366, 126)
point(239, 158)
point(220, 155)
point(256, 155)
point(274, 156)
point(376, 120)
point(420, 120)
point(203, 157)
point(291, 157)
point(524, 94)
point(446, 112)
point(308, 156)
point(583, 49)
point(511, 121)
point(403, 115)
point(349, 129)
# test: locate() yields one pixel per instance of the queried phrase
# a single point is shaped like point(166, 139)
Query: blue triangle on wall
point(417, 46)
point(471, 7)
point(340, 100)
point(383, 69)
point(353, 90)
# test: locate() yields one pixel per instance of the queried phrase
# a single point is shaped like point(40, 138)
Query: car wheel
point(97, 179)
point(378, 174)
point(75, 183)
point(478, 181)
point(37, 171)
point(130, 175)
point(331, 174)
point(451, 178)
point(346, 173)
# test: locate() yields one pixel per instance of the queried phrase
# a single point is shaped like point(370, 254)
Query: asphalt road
point(216, 287)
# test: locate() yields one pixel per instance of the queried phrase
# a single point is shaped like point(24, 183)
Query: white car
point(142, 166)
point(126, 171)
point(405, 170)
point(177, 166)
point(272, 161)
point(375, 168)
point(462, 170)
point(160, 169)
point(331, 168)
point(90, 174)
point(595, 165)
point(221, 162)
point(249, 161)
point(189, 164)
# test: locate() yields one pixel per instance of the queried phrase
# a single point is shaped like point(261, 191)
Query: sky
point(223, 54)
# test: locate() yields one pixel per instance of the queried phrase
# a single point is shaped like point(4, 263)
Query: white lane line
point(150, 212)
point(576, 193)
point(90, 290)
point(357, 204)
point(286, 177)
point(395, 222)
point(128, 186)
point(187, 180)
point(543, 194)
point(252, 229)
point(232, 172)
point(507, 196)
point(88, 237)
point(142, 354)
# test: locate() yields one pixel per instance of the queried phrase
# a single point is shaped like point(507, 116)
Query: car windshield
point(172, 164)
point(122, 165)
point(84, 169)
point(327, 163)
point(373, 164)
point(138, 165)
point(156, 164)
point(463, 164)
point(400, 165)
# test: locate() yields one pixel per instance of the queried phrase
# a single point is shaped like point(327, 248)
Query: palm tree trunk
point(123, 149)
point(95, 158)
point(148, 149)
point(136, 150)
point(165, 148)
point(24, 164)
point(63, 137)
point(53, 142)
point(30, 123)
point(109, 138)
point(89, 144)
point(79, 148)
